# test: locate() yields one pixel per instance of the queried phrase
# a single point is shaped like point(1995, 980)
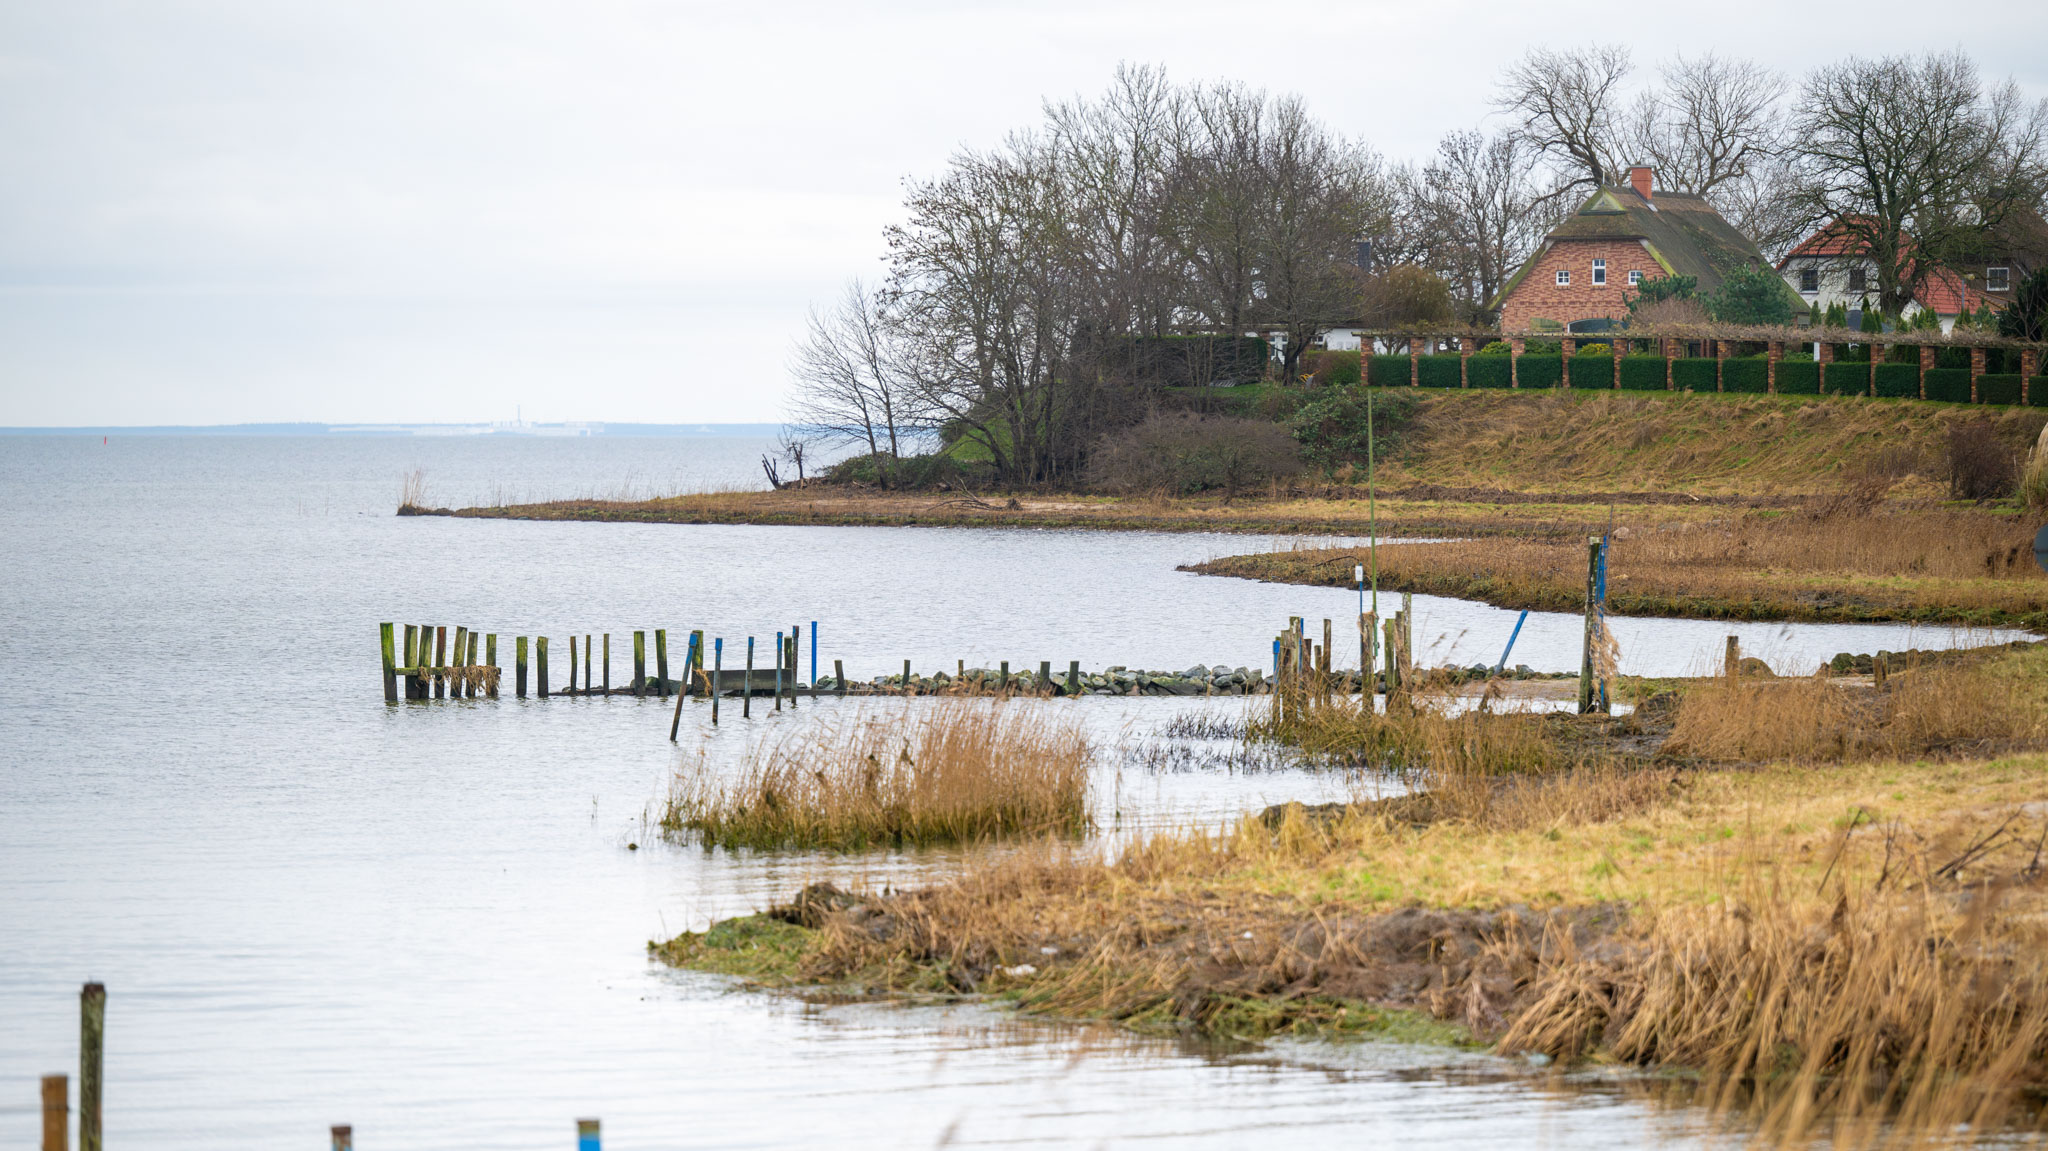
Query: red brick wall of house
point(1539, 296)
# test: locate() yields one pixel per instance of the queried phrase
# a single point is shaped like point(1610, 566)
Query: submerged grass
point(952, 772)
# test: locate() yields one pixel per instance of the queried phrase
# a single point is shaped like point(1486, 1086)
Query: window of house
point(1809, 280)
point(1563, 277)
point(1859, 280)
point(1997, 279)
point(1599, 272)
point(1634, 276)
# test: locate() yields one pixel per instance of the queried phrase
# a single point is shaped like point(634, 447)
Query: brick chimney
point(1639, 179)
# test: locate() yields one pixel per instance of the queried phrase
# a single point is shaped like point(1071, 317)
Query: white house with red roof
point(1832, 266)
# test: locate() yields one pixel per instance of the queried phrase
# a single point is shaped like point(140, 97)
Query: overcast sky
point(367, 211)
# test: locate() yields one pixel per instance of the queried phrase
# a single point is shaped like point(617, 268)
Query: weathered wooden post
point(1879, 666)
point(92, 1036)
point(795, 649)
point(491, 661)
point(780, 648)
point(1073, 677)
point(1620, 348)
point(1003, 680)
point(590, 666)
point(519, 666)
point(717, 667)
point(572, 665)
point(2030, 366)
point(586, 1135)
point(470, 665)
point(661, 661)
point(747, 691)
point(1732, 663)
point(814, 657)
point(1366, 627)
point(676, 723)
point(607, 681)
point(906, 677)
point(390, 663)
point(639, 664)
point(412, 655)
point(540, 663)
point(695, 661)
point(440, 661)
point(1670, 346)
point(1586, 653)
point(341, 1137)
point(56, 1112)
point(839, 678)
point(1044, 684)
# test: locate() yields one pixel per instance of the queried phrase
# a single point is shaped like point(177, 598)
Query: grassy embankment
point(1481, 462)
point(1828, 898)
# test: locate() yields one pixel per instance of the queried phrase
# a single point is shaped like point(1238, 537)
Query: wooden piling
point(1003, 683)
point(839, 677)
point(589, 665)
point(470, 661)
point(607, 681)
point(491, 661)
point(341, 1137)
point(92, 1036)
point(1731, 665)
point(906, 677)
point(572, 665)
point(384, 641)
point(426, 661)
point(661, 662)
point(587, 1135)
point(747, 685)
point(693, 662)
point(1879, 666)
point(412, 648)
point(56, 1112)
point(639, 664)
point(781, 648)
point(717, 666)
point(1590, 632)
point(440, 661)
point(1366, 625)
point(1044, 676)
point(795, 651)
point(519, 666)
point(675, 723)
point(1073, 677)
point(540, 663)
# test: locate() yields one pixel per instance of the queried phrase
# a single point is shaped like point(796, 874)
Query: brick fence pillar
point(1465, 361)
point(1926, 365)
point(2030, 366)
point(1620, 350)
point(1976, 370)
point(1776, 352)
point(1720, 365)
point(1671, 348)
point(1516, 346)
point(1564, 379)
point(1414, 361)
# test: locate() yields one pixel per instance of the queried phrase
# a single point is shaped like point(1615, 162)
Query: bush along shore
point(1825, 896)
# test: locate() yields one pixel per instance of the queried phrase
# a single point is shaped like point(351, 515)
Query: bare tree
point(1219, 198)
point(850, 386)
point(1915, 160)
point(1321, 193)
point(1474, 213)
point(1567, 105)
point(1764, 204)
point(1712, 123)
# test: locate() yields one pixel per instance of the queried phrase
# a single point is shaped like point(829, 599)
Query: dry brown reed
point(1945, 708)
point(948, 773)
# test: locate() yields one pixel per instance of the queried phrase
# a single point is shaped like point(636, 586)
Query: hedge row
point(1389, 371)
point(1642, 373)
point(1745, 375)
point(1799, 378)
point(1489, 372)
point(1540, 371)
point(1999, 389)
point(1438, 372)
point(1593, 373)
point(1949, 384)
point(1693, 375)
point(1700, 374)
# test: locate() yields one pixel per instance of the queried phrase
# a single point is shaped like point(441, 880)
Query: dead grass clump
point(1422, 736)
point(950, 773)
point(1931, 711)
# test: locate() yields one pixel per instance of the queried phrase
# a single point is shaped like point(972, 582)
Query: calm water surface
point(311, 908)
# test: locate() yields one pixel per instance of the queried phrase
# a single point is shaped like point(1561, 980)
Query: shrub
point(1752, 295)
point(1642, 373)
point(1439, 371)
point(2037, 391)
point(1980, 464)
point(1850, 379)
point(1695, 374)
point(1488, 371)
point(1595, 350)
point(1331, 428)
point(1181, 453)
point(2026, 317)
point(1798, 377)
point(1900, 381)
point(1999, 389)
point(1746, 375)
point(1333, 369)
point(909, 472)
point(1661, 290)
point(1389, 371)
point(1949, 385)
point(1496, 348)
point(1541, 371)
point(1593, 373)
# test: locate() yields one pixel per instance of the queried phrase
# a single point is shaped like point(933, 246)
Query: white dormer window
point(1564, 278)
point(1599, 272)
point(1634, 277)
point(1998, 279)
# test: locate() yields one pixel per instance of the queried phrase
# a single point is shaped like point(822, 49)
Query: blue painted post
point(814, 653)
point(1511, 643)
point(688, 657)
point(1276, 658)
point(586, 1135)
point(717, 666)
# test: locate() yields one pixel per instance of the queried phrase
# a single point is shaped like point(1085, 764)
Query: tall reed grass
point(945, 773)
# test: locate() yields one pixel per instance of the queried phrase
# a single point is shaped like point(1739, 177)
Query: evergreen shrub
point(1850, 379)
point(1950, 385)
point(1899, 380)
point(1389, 371)
point(1488, 371)
point(2002, 388)
point(1693, 374)
point(1798, 378)
point(2037, 391)
point(1338, 369)
point(1438, 371)
point(1593, 373)
point(1539, 371)
point(1746, 375)
point(1642, 373)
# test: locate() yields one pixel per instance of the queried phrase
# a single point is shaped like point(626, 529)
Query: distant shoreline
point(569, 430)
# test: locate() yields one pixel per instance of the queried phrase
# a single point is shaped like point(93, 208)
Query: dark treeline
point(1035, 288)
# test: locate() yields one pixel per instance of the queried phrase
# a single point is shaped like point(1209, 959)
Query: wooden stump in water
point(386, 645)
point(519, 666)
point(639, 663)
point(540, 662)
